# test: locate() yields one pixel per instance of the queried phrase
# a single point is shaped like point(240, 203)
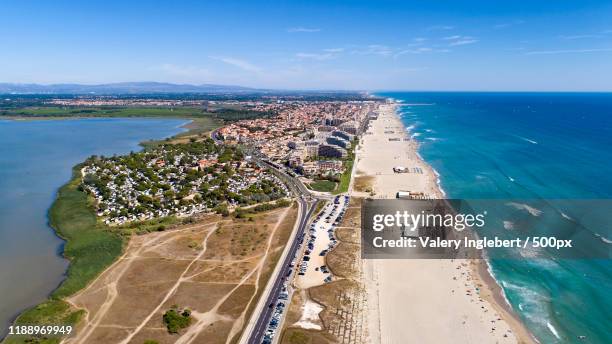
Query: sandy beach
point(424, 301)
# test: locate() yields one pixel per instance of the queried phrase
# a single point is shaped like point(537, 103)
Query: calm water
point(533, 146)
point(36, 158)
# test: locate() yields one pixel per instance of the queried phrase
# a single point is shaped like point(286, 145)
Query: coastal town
point(305, 172)
point(314, 139)
point(177, 179)
point(303, 166)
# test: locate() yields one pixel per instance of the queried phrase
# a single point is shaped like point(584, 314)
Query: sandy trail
point(109, 281)
point(172, 290)
point(129, 255)
point(212, 316)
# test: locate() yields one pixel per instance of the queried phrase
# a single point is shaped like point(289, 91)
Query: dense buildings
point(303, 132)
point(178, 179)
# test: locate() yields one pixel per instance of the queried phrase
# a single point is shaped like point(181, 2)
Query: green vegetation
point(176, 320)
point(198, 128)
point(150, 341)
point(226, 114)
point(175, 179)
point(57, 111)
point(50, 312)
point(158, 224)
point(323, 185)
point(345, 177)
point(242, 213)
point(89, 247)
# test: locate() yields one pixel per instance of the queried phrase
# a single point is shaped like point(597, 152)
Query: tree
point(176, 321)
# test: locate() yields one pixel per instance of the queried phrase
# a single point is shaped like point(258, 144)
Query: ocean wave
point(533, 304)
point(429, 130)
point(527, 140)
point(511, 179)
point(552, 329)
point(602, 238)
point(415, 135)
point(566, 216)
point(432, 139)
point(529, 252)
point(508, 225)
point(439, 182)
point(410, 127)
point(521, 206)
point(492, 274)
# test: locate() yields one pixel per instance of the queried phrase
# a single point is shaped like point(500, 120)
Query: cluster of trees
point(176, 320)
point(242, 213)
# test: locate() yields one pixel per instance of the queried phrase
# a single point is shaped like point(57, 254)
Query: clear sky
point(400, 45)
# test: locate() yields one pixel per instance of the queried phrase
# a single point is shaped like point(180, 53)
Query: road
point(307, 206)
point(258, 323)
point(265, 315)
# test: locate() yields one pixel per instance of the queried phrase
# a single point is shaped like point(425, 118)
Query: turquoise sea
point(529, 146)
point(36, 158)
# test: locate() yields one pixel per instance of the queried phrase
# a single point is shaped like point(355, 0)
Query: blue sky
point(401, 45)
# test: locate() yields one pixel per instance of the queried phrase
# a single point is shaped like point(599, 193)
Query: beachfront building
point(337, 141)
point(329, 166)
point(343, 135)
point(350, 127)
point(331, 151)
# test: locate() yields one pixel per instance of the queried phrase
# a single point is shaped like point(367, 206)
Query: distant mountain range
point(122, 88)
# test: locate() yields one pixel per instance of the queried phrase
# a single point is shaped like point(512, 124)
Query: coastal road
point(275, 284)
point(257, 324)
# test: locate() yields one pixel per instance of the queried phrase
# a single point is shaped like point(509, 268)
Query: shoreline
point(481, 269)
point(468, 323)
point(52, 299)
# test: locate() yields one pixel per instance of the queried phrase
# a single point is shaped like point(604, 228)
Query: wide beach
point(429, 301)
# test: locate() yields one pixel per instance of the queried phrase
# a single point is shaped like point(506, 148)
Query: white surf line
point(171, 291)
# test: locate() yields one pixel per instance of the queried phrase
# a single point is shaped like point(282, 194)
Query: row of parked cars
point(337, 213)
point(333, 217)
point(279, 308)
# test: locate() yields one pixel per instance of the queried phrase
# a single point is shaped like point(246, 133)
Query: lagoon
point(36, 158)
